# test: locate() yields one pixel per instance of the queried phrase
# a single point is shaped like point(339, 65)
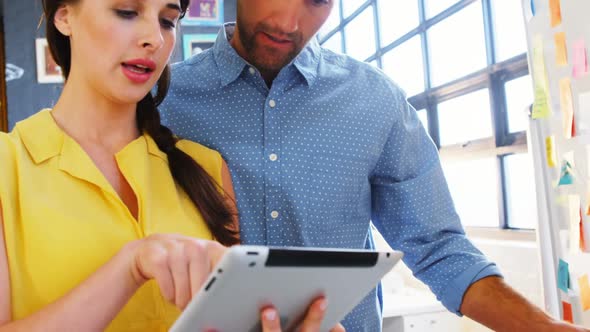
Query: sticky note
point(550, 151)
point(529, 10)
point(567, 106)
point(560, 49)
point(573, 225)
point(580, 62)
point(563, 275)
point(573, 125)
point(583, 115)
point(582, 234)
point(541, 104)
point(568, 315)
point(555, 8)
point(566, 176)
point(584, 292)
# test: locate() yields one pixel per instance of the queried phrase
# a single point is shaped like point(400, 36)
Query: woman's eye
point(126, 13)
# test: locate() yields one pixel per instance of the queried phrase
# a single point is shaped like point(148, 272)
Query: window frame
point(493, 77)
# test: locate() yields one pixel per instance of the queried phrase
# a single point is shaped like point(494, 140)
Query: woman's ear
point(62, 20)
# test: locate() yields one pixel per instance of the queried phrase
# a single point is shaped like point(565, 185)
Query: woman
point(92, 190)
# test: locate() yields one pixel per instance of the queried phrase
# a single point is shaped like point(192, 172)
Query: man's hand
point(491, 302)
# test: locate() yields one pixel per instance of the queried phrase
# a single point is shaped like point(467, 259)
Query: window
point(520, 187)
point(457, 45)
point(350, 6)
point(404, 65)
point(519, 95)
point(359, 33)
point(473, 187)
point(397, 18)
point(465, 118)
point(434, 7)
point(334, 43)
point(332, 22)
point(510, 35)
point(463, 66)
point(423, 117)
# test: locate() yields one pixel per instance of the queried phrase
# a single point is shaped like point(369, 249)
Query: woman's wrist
point(128, 257)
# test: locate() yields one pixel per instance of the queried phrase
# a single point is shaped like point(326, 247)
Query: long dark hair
point(203, 191)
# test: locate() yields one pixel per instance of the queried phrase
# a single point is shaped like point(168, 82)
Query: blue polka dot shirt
point(331, 146)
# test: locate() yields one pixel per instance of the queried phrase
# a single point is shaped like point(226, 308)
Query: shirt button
point(252, 71)
point(274, 214)
point(273, 157)
point(272, 103)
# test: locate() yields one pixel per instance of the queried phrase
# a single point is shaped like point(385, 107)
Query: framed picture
point(47, 70)
point(193, 44)
point(204, 12)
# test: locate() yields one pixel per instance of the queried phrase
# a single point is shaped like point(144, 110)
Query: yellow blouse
point(63, 220)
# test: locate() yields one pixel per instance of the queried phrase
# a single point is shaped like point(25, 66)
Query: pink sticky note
point(580, 59)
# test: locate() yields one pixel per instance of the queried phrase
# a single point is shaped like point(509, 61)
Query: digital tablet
point(249, 278)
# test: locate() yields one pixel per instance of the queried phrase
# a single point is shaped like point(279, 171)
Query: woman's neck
point(91, 118)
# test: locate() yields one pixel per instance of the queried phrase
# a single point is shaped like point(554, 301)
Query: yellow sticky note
point(541, 108)
point(584, 292)
point(550, 151)
point(555, 8)
point(560, 49)
point(567, 106)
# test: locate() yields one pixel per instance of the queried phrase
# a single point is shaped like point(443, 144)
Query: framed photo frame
point(204, 13)
point(47, 70)
point(193, 44)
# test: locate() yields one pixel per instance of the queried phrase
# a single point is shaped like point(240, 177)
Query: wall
point(229, 16)
point(24, 95)
point(518, 260)
point(21, 25)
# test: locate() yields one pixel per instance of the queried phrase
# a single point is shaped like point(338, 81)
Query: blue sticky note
point(563, 275)
point(565, 179)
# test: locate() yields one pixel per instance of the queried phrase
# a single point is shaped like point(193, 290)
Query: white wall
point(520, 264)
point(518, 259)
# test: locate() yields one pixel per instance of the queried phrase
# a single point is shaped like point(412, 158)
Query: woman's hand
point(311, 322)
point(179, 264)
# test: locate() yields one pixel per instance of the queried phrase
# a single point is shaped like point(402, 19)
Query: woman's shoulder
point(30, 137)
point(8, 145)
point(208, 158)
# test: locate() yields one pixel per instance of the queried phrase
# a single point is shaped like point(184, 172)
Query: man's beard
point(264, 58)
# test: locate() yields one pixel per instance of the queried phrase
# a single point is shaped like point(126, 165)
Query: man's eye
point(125, 13)
point(321, 2)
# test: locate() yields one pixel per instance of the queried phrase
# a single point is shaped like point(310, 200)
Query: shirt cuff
point(453, 297)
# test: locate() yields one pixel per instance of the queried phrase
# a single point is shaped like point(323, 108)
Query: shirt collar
point(231, 64)
point(43, 138)
point(308, 61)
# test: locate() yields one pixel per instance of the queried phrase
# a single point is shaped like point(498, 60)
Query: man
point(320, 144)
